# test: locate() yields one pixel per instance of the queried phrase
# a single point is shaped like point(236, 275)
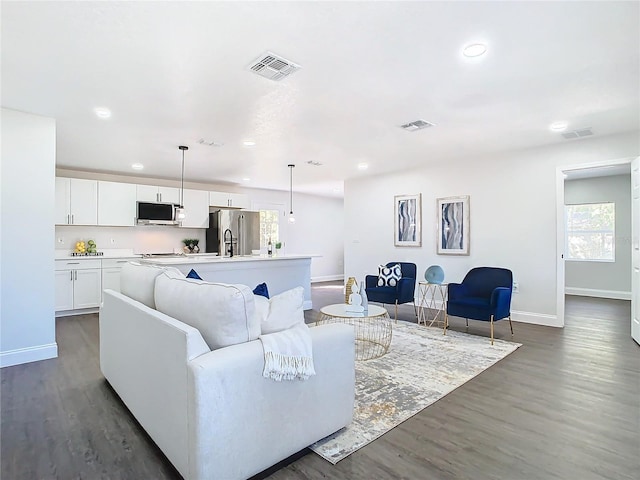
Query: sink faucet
point(230, 241)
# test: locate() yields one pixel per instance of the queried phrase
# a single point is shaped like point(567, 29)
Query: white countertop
point(213, 258)
point(107, 253)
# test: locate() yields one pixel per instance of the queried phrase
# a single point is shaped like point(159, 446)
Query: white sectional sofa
point(211, 411)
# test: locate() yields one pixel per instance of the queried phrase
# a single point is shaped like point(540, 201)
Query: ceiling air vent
point(314, 163)
point(417, 125)
point(582, 132)
point(273, 67)
point(210, 143)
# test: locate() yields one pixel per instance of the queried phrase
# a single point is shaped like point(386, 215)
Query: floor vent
point(272, 66)
point(582, 132)
point(416, 125)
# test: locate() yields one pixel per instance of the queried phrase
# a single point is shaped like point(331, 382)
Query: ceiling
point(173, 73)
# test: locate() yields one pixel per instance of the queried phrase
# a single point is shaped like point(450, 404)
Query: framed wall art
point(408, 220)
point(453, 225)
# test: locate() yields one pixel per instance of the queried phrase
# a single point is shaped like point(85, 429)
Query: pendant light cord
point(291, 188)
point(183, 148)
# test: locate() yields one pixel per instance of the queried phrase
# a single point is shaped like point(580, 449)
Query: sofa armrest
point(241, 423)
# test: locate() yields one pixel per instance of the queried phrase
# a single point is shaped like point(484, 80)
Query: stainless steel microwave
point(149, 213)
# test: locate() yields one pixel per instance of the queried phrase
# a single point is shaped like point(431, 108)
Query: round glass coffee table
point(373, 328)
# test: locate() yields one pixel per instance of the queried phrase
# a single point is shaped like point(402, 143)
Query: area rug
point(422, 366)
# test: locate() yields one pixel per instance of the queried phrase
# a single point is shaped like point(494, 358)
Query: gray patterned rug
point(422, 366)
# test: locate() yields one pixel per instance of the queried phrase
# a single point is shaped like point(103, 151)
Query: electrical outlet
point(60, 239)
point(113, 241)
point(516, 287)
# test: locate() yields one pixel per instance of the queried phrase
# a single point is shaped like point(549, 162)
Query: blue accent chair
point(484, 294)
point(403, 292)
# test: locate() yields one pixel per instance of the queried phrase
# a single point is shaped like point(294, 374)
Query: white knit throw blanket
point(288, 354)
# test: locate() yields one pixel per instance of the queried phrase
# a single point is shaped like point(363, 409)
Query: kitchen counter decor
point(191, 245)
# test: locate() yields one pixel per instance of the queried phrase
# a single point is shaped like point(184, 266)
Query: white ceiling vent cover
point(272, 66)
point(582, 132)
point(417, 125)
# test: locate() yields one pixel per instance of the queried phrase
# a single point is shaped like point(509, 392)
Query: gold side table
point(432, 297)
point(373, 328)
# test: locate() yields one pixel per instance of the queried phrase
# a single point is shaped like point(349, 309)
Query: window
point(591, 231)
point(269, 227)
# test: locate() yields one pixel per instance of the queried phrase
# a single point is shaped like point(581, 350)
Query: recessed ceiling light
point(246, 179)
point(363, 166)
point(248, 143)
point(474, 50)
point(102, 112)
point(137, 166)
point(558, 126)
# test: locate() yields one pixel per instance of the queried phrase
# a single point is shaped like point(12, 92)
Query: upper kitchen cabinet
point(229, 200)
point(116, 204)
point(76, 201)
point(152, 193)
point(196, 205)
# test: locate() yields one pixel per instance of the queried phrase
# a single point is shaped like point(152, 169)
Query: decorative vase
point(363, 294)
point(196, 249)
point(186, 249)
point(348, 289)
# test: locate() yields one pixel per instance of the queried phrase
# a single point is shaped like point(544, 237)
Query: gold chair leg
point(396, 311)
point(491, 329)
point(446, 323)
point(415, 309)
point(467, 322)
point(510, 325)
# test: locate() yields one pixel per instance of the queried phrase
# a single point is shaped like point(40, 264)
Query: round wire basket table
point(373, 328)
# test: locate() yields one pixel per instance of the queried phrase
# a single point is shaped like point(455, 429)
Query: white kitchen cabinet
point(111, 269)
point(64, 290)
point(76, 201)
point(152, 193)
point(78, 284)
point(116, 204)
point(196, 204)
point(229, 200)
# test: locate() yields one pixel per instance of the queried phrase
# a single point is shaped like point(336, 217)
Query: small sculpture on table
point(355, 303)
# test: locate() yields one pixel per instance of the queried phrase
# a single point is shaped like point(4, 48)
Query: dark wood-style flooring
point(566, 405)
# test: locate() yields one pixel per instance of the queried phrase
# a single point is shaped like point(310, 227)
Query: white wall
point(27, 323)
point(608, 279)
point(512, 223)
point(318, 228)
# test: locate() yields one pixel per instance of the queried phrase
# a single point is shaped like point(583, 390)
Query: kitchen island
point(279, 272)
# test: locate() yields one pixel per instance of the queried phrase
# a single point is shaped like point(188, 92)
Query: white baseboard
point(592, 292)
point(327, 278)
point(29, 354)
point(536, 318)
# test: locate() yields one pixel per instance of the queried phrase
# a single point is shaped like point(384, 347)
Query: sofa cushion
point(281, 311)
point(138, 281)
point(389, 276)
point(224, 314)
point(261, 289)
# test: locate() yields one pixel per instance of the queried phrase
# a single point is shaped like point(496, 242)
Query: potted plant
point(191, 245)
point(278, 247)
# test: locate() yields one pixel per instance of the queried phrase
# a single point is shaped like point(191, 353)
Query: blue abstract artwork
point(453, 225)
point(407, 220)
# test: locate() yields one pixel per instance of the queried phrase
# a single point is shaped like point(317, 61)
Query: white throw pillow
point(224, 314)
point(281, 311)
point(389, 276)
point(138, 281)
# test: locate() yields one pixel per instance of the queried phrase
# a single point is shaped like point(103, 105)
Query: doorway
point(589, 258)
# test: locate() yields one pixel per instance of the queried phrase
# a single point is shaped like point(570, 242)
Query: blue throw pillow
point(193, 274)
point(261, 290)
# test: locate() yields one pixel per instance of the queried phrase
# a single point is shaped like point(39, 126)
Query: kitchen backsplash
point(143, 239)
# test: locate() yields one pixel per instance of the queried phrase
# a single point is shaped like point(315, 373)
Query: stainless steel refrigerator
point(233, 232)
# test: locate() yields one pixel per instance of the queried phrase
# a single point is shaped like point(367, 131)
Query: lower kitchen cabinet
point(111, 274)
point(78, 284)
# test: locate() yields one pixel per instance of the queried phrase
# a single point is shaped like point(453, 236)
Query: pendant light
point(292, 219)
point(180, 211)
